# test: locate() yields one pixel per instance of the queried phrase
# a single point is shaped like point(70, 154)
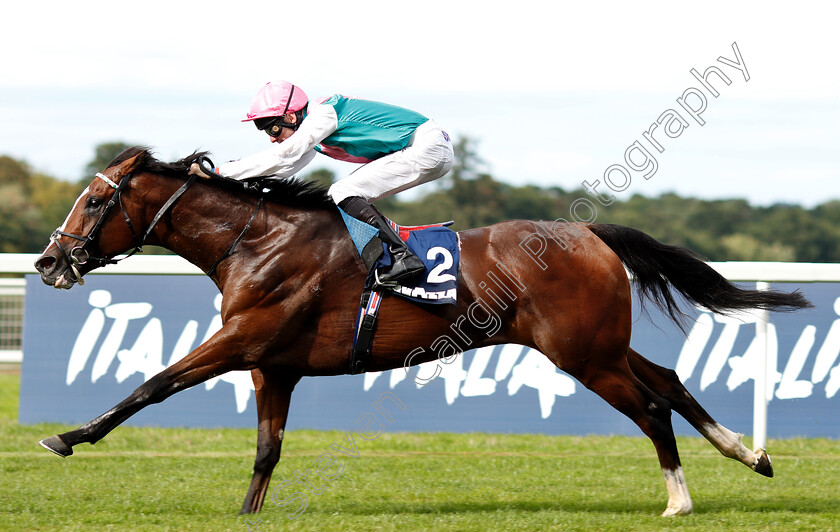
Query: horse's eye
point(94, 203)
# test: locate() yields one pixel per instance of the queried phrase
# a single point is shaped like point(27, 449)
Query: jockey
point(398, 148)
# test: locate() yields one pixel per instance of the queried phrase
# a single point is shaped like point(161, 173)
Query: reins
point(206, 170)
point(236, 242)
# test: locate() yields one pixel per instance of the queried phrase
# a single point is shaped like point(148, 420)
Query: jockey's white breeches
point(427, 157)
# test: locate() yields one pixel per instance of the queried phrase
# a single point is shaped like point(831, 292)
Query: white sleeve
point(285, 159)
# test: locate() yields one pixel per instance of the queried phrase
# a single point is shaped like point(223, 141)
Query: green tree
point(14, 172)
point(467, 164)
point(323, 176)
point(739, 246)
point(21, 227)
point(829, 211)
point(53, 198)
point(31, 206)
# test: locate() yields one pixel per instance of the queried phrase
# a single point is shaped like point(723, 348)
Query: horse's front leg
point(274, 392)
point(216, 356)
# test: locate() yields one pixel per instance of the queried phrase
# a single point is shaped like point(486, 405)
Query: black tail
point(655, 265)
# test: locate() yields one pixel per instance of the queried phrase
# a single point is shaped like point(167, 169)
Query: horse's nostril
point(45, 264)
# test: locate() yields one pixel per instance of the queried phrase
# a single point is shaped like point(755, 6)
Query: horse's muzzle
point(57, 272)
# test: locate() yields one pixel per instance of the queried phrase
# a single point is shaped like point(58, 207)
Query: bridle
point(80, 254)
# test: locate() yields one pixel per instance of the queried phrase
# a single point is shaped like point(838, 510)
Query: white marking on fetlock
point(729, 444)
point(679, 500)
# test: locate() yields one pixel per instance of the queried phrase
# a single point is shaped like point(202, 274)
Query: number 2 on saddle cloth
point(436, 245)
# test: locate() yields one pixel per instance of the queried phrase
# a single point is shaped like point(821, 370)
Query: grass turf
point(195, 479)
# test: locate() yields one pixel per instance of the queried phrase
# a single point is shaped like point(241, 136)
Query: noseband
point(80, 255)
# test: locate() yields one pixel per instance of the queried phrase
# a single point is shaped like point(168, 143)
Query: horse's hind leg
point(273, 393)
point(666, 384)
point(617, 384)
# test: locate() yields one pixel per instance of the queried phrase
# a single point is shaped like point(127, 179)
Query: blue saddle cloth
point(436, 245)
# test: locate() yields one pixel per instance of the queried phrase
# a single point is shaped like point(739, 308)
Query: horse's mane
point(290, 191)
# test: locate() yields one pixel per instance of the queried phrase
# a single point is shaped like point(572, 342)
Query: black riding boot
point(405, 264)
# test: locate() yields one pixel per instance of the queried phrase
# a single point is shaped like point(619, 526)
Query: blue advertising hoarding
point(87, 349)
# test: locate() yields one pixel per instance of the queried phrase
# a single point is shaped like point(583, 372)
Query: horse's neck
point(210, 220)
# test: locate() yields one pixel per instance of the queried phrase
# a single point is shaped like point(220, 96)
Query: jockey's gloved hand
point(203, 168)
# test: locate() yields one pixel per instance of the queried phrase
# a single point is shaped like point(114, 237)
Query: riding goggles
point(273, 125)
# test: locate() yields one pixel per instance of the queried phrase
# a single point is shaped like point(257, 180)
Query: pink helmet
point(276, 98)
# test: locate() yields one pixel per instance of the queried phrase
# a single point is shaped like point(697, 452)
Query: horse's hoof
point(677, 510)
point(56, 445)
point(762, 463)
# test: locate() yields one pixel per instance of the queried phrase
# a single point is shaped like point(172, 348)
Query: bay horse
point(291, 281)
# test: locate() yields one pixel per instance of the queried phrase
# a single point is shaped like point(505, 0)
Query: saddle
point(434, 244)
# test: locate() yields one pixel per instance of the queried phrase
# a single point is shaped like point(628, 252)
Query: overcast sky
point(553, 93)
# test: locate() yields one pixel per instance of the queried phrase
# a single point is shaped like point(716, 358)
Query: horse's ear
point(129, 165)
